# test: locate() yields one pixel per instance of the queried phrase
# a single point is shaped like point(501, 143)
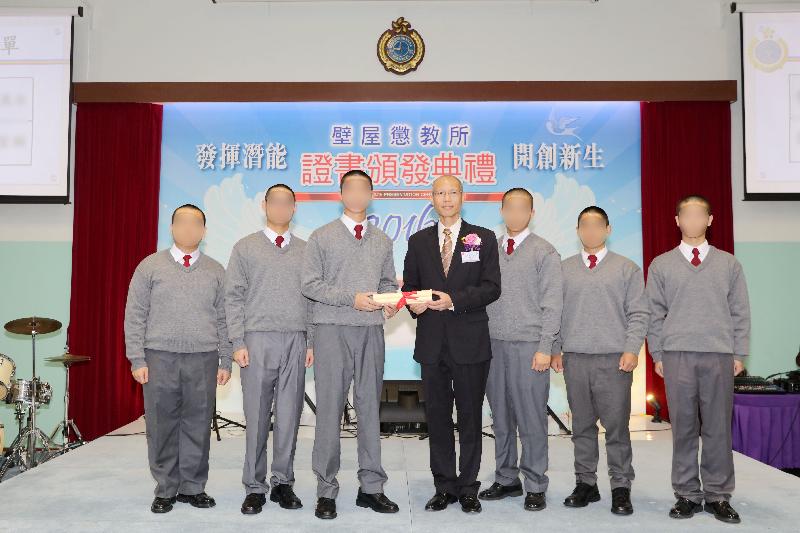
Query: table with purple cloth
point(766, 427)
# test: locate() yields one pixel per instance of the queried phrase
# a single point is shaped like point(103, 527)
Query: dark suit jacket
point(472, 286)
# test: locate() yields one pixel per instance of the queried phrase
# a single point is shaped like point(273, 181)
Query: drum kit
point(32, 446)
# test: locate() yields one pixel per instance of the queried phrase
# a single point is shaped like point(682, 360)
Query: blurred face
point(447, 196)
point(593, 231)
point(516, 211)
point(356, 194)
point(694, 219)
point(279, 206)
point(188, 228)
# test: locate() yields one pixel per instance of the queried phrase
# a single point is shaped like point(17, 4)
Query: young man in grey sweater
point(523, 325)
point(602, 331)
point(177, 342)
point(346, 261)
point(699, 334)
point(268, 326)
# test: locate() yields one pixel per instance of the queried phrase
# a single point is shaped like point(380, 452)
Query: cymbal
point(26, 326)
point(69, 359)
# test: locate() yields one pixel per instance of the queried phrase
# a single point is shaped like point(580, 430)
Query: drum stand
point(65, 425)
point(22, 452)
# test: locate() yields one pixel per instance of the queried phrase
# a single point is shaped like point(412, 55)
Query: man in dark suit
point(459, 262)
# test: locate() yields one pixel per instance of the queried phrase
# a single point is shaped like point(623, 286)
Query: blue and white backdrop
point(223, 156)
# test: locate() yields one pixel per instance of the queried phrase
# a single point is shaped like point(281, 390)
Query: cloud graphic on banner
point(555, 216)
point(234, 216)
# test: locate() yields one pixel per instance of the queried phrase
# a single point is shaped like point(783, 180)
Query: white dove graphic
point(561, 125)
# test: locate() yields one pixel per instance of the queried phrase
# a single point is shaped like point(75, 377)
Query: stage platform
point(106, 486)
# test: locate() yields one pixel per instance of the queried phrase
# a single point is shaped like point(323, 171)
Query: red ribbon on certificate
point(402, 301)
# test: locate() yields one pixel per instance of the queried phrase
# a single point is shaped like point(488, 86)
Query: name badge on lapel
point(470, 257)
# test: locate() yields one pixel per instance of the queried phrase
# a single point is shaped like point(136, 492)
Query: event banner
point(223, 156)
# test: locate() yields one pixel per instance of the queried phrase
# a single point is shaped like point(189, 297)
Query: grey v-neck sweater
point(336, 266)
point(531, 299)
point(605, 308)
point(262, 288)
point(176, 309)
point(698, 309)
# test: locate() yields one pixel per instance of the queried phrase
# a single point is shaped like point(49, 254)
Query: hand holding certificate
point(400, 299)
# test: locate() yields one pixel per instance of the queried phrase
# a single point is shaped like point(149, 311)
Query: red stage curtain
point(686, 149)
point(117, 175)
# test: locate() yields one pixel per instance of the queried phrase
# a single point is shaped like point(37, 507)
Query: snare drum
point(7, 369)
point(22, 391)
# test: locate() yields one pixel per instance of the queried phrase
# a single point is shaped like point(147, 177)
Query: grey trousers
point(518, 398)
point(598, 390)
point(273, 383)
point(178, 405)
point(700, 396)
point(345, 355)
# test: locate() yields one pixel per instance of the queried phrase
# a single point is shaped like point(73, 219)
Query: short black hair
point(692, 198)
point(190, 206)
point(517, 189)
point(594, 209)
point(281, 186)
point(355, 172)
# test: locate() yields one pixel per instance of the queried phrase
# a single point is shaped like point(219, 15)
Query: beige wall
point(194, 40)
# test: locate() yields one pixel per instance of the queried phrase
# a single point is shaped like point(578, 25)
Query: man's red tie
point(510, 244)
point(592, 261)
point(279, 241)
point(186, 260)
point(696, 259)
point(359, 228)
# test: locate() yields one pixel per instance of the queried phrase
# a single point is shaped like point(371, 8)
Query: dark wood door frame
point(436, 91)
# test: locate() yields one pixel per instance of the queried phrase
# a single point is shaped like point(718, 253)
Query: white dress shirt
point(351, 225)
point(178, 255)
point(517, 240)
point(454, 231)
point(686, 250)
point(600, 255)
point(272, 235)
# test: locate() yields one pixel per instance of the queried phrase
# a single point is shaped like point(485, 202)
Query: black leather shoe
point(162, 505)
point(440, 501)
point(377, 502)
point(535, 501)
point(621, 501)
point(326, 508)
point(253, 503)
point(469, 503)
point(284, 496)
point(498, 491)
point(201, 501)
point(723, 511)
point(684, 508)
point(583, 495)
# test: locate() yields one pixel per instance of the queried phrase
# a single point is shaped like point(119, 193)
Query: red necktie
point(696, 259)
point(359, 228)
point(510, 244)
point(592, 261)
point(186, 260)
point(279, 241)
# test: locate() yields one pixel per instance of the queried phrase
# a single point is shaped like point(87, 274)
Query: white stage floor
point(106, 486)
